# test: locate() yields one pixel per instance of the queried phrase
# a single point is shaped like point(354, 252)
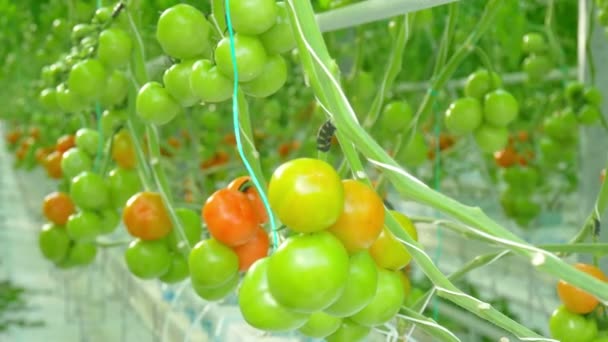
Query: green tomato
point(575, 91)
point(360, 286)
point(258, 306)
point(349, 331)
point(178, 271)
point(413, 297)
point(193, 229)
point(500, 108)
point(320, 325)
point(396, 116)
point(148, 259)
point(67, 100)
point(537, 67)
point(279, 38)
point(212, 264)
point(589, 115)
point(208, 83)
point(491, 139)
point(550, 149)
point(80, 31)
point(111, 120)
point(155, 105)
point(533, 43)
point(463, 116)
point(89, 191)
point(386, 302)
point(561, 126)
point(479, 83)
point(251, 57)
point(413, 154)
point(48, 99)
point(54, 242)
point(109, 221)
point(253, 17)
point(311, 185)
point(122, 184)
point(87, 140)
point(177, 83)
point(216, 293)
point(593, 96)
point(115, 47)
point(87, 79)
point(570, 327)
point(75, 161)
point(83, 226)
point(102, 15)
point(81, 254)
point(308, 273)
point(183, 32)
point(116, 89)
point(271, 80)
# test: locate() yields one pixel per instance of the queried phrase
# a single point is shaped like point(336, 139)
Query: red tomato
point(66, 142)
point(253, 196)
point(230, 217)
point(57, 207)
point(146, 217)
point(254, 250)
point(575, 299)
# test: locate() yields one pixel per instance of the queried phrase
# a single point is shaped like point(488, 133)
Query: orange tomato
point(146, 217)
point(445, 141)
point(252, 194)
point(123, 152)
point(57, 207)
point(174, 142)
point(575, 299)
point(230, 217)
point(65, 143)
point(40, 154)
point(523, 136)
point(21, 153)
point(13, 136)
point(506, 158)
point(230, 139)
point(52, 164)
point(362, 218)
point(254, 250)
point(34, 132)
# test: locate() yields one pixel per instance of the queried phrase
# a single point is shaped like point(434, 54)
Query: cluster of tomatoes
point(537, 62)
point(581, 317)
point(486, 111)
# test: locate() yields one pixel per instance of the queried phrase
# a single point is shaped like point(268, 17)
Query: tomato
point(208, 83)
point(115, 92)
point(533, 43)
point(81, 254)
point(589, 115)
point(212, 264)
point(193, 228)
point(65, 142)
point(593, 96)
point(68, 100)
point(253, 250)
point(178, 270)
point(83, 226)
point(54, 242)
point(244, 185)
point(386, 302)
point(577, 300)
point(123, 151)
point(396, 116)
point(253, 16)
point(251, 57)
point(360, 286)
point(52, 164)
point(109, 221)
point(491, 139)
point(537, 67)
point(89, 191)
point(114, 47)
point(388, 251)
point(87, 140)
point(500, 108)
point(216, 293)
point(48, 99)
point(349, 331)
point(574, 92)
point(258, 306)
point(230, 217)
point(463, 116)
point(570, 327)
point(308, 273)
point(279, 38)
point(413, 153)
point(561, 126)
point(122, 185)
point(271, 80)
point(102, 15)
point(362, 219)
point(506, 157)
point(111, 120)
point(146, 217)
point(320, 325)
point(41, 154)
point(407, 285)
point(177, 82)
point(13, 136)
point(148, 259)
point(183, 32)
point(306, 194)
point(155, 105)
point(479, 83)
point(87, 79)
point(57, 207)
point(74, 161)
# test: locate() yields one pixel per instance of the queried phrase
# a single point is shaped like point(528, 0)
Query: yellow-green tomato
point(320, 325)
point(349, 331)
point(386, 303)
point(388, 251)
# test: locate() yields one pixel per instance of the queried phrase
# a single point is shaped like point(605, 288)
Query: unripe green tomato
point(67, 100)
point(574, 92)
point(593, 96)
point(148, 259)
point(386, 302)
point(537, 67)
point(111, 120)
point(116, 89)
point(570, 327)
point(192, 226)
point(74, 161)
point(80, 31)
point(463, 116)
point(349, 331)
point(81, 254)
point(279, 38)
point(177, 83)
point(250, 57)
point(178, 270)
point(602, 16)
point(115, 47)
point(48, 99)
point(212, 264)
point(88, 140)
point(253, 17)
point(183, 32)
point(83, 226)
point(320, 325)
point(396, 116)
point(500, 108)
point(534, 43)
point(588, 115)
point(155, 105)
point(102, 15)
point(414, 153)
point(89, 190)
point(122, 184)
point(109, 220)
point(216, 293)
point(271, 80)
point(491, 139)
point(87, 79)
point(54, 242)
point(208, 83)
point(479, 83)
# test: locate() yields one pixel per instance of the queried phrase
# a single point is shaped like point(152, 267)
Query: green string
point(437, 186)
point(237, 131)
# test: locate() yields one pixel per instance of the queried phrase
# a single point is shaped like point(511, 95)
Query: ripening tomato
point(253, 250)
point(567, 326)
point(52, 164)
point(57, 207)
point(575, 299)
point(212, 264)
point(243, 184)
point(230, 217)
point(146, 217)
point(313, 187)
point(123, 152)
point(388, 251)
point(13, 136)
point(65, 143)
point(320, 325)
point(362, 219)
point(349, 331)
